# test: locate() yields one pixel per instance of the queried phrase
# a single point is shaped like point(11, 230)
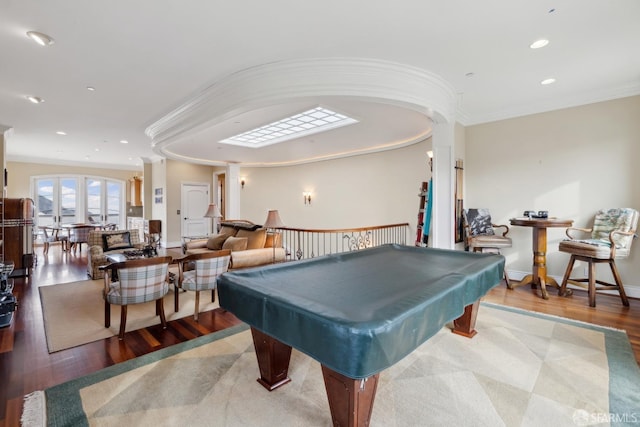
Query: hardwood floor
point(26, 365)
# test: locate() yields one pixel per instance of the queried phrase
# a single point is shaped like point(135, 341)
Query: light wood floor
point(26, 365)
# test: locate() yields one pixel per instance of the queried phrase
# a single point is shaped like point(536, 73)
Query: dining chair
point(51, 235)
point(609, 238)
point(480, 235)
point(199, 272)
point(135, 282)
point(79, 234)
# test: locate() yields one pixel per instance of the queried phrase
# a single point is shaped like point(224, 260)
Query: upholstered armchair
point(135, 282)
point(609, 239)
point(199, 272)
point(101, 246)
point(480, 235)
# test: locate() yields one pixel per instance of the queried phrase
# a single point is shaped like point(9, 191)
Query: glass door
point(105, 203)
point(56, 201)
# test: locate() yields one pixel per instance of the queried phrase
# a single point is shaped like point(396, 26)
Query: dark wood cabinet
point(16, 234)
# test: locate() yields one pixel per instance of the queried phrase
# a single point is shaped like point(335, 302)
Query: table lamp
point(273, 221)
point(213, 212)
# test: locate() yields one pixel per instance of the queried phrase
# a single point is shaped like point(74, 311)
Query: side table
point(539, 270)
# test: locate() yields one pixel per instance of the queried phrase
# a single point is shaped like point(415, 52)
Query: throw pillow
point(235, 244)
point(256, 238)
point(479, 221)
point(115, 241)
point(216, 241)
point(228, 230)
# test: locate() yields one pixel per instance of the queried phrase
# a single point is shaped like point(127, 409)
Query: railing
point(302, 243)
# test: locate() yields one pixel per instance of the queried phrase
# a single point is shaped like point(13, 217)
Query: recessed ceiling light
point(96, 149)
point(548, 81)
point(60, 132)
point(539, 43)
point(91, 88)
point(40, 38)
point(87, 157)
point(124, 141)
point(35, 99)
point(470, 74)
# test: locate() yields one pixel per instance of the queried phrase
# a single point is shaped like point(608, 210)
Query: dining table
point(538, 276)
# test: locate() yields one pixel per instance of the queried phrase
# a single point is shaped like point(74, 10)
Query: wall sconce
point(307, 198)
point(242, 181)
point(430, 154)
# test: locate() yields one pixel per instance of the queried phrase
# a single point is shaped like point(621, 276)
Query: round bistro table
point(539, 277)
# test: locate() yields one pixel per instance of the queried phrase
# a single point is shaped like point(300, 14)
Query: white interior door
point(195, 201)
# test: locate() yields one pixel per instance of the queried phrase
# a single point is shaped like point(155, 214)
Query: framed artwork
point(158, 200)
point(158, 192)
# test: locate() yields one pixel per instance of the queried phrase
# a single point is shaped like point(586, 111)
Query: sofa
point(104, 242)
point(250, 244)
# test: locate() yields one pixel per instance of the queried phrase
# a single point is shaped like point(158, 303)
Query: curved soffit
point(263, 93)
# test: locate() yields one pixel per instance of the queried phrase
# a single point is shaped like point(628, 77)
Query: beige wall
point(373, 189)
point(570, 162)
point(178, 173)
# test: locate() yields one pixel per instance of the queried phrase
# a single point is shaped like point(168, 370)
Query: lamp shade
point(273, 220)
point(213, 211)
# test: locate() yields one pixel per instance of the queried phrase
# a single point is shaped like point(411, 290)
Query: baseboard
point(632, 290)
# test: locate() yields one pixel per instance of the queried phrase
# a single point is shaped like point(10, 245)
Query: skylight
point(312, 121)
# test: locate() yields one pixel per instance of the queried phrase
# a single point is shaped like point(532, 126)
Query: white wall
point(374, 189)
point(570, 162)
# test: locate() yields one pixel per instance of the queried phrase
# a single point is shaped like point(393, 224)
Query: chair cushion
point(216, 241)
point(479, 221)
point(116, 241)
point(490, 241)
point(607, 220)
point(593, 249)
point(256, 239)
point(235, 244)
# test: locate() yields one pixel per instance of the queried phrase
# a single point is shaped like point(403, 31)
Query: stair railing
point(301, 243)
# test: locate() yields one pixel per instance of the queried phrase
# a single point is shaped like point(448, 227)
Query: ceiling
point(149, 58)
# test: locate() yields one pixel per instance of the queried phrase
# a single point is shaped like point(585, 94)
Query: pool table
point(356, 313)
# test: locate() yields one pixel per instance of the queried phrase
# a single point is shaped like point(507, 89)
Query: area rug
point(74, 313)
point(521, 369)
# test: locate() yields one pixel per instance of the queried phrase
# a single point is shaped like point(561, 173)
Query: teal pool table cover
point(360, 312)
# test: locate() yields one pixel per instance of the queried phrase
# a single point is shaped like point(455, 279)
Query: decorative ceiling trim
point(263, 85)
point(369, 150)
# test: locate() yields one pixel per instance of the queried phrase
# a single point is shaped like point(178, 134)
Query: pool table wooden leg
point(273, 360)
point(350, 400)
point(465, 324)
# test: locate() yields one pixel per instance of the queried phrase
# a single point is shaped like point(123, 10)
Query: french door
point(104, 201)
point(56, 200)
point(77, 199)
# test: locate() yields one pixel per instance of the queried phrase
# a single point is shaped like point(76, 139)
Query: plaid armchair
point(199, 272)
point(97, 255)
point(136, 282)
point(610, 237)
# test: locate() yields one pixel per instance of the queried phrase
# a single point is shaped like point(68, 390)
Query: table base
point(539, 282)
point(350, 399)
